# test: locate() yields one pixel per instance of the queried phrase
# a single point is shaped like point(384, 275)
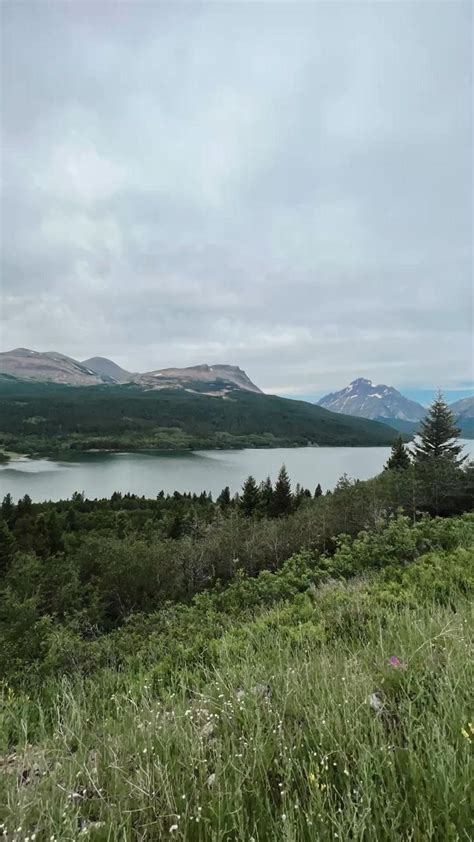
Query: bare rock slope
point(50, 366)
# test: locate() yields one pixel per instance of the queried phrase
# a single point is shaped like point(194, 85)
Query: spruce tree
point(266, 496)
point(7, 547)
point(282, 502)
point(318, 490)
point(250, 497)
point(223, 499)
point(399, 458)
point(438, 437)
point(8, 509)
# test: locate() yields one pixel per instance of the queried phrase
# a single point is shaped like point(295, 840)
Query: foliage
point(327, 700)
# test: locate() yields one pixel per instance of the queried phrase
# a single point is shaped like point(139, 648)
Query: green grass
point(271, 735)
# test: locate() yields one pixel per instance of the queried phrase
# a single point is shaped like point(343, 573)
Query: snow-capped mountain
point(378, 402)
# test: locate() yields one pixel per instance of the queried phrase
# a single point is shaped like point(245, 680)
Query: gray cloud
point(283, 186)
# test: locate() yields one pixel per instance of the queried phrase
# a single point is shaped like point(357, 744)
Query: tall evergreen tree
point(250, 497)
point(266, 496)
point(8, 509)
point(223, 499)
point(7, 547)
point(282, 502)
point(318, 490)
point(438, 437)
point(399, 458)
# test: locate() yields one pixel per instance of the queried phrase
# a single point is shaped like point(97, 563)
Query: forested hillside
point(48, 418)
point(326, 699)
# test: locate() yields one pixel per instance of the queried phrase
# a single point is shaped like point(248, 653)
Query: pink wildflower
point(396, 663)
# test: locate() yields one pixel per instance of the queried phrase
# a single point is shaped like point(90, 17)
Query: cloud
point(284, 187)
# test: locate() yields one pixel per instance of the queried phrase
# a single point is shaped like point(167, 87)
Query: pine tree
point(55, 535)
point(438, 435)
point(282, 502)
point(399, 458)
point(223, 499)
point(8, 509)
point(7, 547)
point(266, 496)
point(318, 491)
point(250, 497)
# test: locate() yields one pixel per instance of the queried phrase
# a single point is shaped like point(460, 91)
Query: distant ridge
point(217, 380)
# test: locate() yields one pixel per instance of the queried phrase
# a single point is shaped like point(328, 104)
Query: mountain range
point(364, 399)
point(216, 380)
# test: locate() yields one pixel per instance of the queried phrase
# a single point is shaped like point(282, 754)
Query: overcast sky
point(282, 186)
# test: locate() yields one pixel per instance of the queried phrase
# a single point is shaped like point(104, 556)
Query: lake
point(100, 474)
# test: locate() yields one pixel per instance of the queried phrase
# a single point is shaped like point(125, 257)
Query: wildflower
point(283, 817)
point(396, 663)
point(312, 777)
point(173, 828)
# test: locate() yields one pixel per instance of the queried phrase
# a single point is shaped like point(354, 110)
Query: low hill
point(107, 368)
point(45, 418)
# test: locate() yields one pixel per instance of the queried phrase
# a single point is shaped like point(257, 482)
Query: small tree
point(399, 459)
point(438, 437)
point(282, 502)
point(250, 497)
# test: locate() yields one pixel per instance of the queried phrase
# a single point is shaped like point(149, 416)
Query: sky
point(282, 186)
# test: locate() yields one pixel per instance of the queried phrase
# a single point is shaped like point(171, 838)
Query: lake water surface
point(100, 474)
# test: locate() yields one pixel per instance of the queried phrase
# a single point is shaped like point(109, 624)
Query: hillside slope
point(46, 418)
point(329, 700)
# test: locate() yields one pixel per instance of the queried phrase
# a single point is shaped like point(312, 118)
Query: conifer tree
point(266, 496)
point(282, 502)
point(223, 499)
point(250, 497)
point(438, 437)
point(7, 545)
point(399, 458)
point(318, 490)
point(8, 509)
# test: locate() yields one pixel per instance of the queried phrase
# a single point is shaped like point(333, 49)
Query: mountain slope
point(50, 366)
point(217, 380)
point(464, 413)
point(107, 368)
point(463, 408)
point(49, 418)
point(364, 399)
